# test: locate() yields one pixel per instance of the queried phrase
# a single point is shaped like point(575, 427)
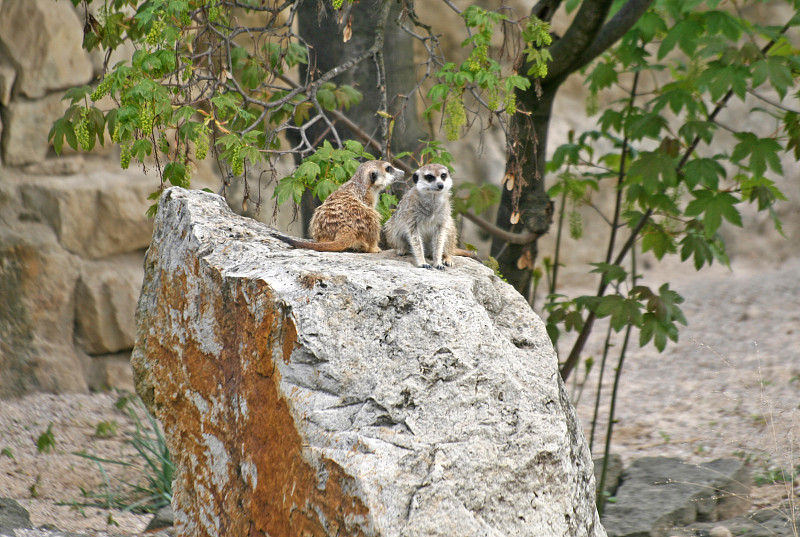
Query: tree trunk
point(535, 208)
point(319, 27)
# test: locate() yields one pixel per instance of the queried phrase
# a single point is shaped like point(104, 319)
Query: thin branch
point(502, 234)
point(772, 102)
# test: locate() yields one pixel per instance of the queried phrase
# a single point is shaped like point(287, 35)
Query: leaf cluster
point(678, 179)
point(480, 75)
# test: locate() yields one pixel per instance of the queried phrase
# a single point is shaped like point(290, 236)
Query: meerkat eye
point(443, 176)
point(415, 177)
point(430, 177)
point(373, 176)
point(389, 169)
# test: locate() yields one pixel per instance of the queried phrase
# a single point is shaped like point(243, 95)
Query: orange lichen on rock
point(241, 465)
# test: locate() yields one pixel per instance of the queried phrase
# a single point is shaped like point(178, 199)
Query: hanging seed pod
point(508, 180)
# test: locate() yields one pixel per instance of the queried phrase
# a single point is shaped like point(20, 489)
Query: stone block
point(43, 39)
point(105, 302)
point(110, 371)
point(37, 287)
point(95, 215)
point(658, 494)
point(26, 126)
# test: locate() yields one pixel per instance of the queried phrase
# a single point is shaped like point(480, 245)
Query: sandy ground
point(729, 388)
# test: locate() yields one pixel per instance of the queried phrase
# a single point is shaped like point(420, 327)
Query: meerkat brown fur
point(347, 220)
point(423, 222)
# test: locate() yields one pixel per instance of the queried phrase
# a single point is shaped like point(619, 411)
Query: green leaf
point(659, 332)
point(714, 207)
point(289, 187)
point(697, 245)
point(650, 24)
point(252, 75)
point(720, 78)
point(46, 442)
point(480, 197)
point(610, 272)
point(641, 126)
point(721, 22)
point(176, 174)
point(324, 188)
point(438, 92)
point(657, 239)
point(602, 76)
point(326, 98)
point(691, 129)
point(685, 34)
point(347, 96)
point(623, 311)
point(62, 128)
point(705, 171)
point(776, 71)
point(141, 149)
point(762, 152)
point(308, 170)
point(77, 94)
point(649, 167)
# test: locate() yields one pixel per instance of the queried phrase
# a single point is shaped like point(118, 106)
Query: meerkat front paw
point(439, 267)
point(425, 265)
point(447, 263)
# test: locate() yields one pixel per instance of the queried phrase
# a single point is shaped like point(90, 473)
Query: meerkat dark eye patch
point(389, 169)
point(430, 177)
point(373, 176)
point(443, 176)
point(415, 177)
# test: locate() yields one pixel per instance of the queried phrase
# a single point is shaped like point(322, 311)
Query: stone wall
point(72, 228)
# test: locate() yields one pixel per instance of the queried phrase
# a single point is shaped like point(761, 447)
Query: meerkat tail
point(467, 253)
point(332, 246)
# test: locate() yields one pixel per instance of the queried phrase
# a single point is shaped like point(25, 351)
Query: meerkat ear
point(416, 177)
point(373, 176)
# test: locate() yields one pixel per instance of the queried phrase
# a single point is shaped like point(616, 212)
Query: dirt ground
point(729, 388)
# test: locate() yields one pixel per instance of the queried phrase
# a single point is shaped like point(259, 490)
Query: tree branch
point(578, 38)
point(613, 30)
point(502, 234)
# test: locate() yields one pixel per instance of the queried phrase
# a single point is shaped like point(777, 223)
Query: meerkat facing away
point(423, 221)
point(347, 220)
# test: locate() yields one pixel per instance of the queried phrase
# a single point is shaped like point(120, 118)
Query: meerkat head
point(380, 174)
point(433, 178)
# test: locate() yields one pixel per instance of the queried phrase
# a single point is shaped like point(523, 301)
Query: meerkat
point(347, 220)
point(423, 222)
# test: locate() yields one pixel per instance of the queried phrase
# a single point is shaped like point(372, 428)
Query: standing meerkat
point(423, 221)
point(347, 220)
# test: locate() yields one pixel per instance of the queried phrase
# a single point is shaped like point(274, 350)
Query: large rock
point(94, 215)
point(349, 394)
point(12, 516)
point(26, 125)
point(659, 494)
point(28, 30)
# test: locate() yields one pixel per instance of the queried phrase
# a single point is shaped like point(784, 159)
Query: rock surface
point(329, 394)
point(12, 515)
point(94, 215)
point(658, 494)
point(26, 124)
point(37, 282)
point(104, 296)
point(28, 29)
